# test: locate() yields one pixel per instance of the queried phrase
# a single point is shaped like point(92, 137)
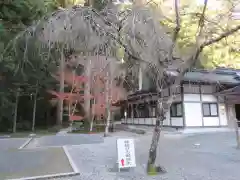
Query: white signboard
point(126, 153)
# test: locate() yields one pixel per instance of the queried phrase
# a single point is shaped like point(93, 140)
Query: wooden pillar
point(140, 79)
point(132, 113)
point(16, 111)
point(127, 114)
point(183, 107)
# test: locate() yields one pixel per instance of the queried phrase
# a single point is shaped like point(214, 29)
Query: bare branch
point(193, 59)
point(190, 61)
point(201, 20)
point(177, 28)
point(220, 37)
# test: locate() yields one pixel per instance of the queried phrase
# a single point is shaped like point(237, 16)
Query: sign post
point(126, 153)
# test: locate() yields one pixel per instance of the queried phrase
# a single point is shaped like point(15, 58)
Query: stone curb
point(26, 143)
point(75, 169)
point(59, 175)
point(5, 136)
point(48, 176)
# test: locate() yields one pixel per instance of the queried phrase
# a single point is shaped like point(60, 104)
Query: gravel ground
point(196, 157)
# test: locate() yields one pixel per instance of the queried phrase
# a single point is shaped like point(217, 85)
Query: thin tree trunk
point(140, 77)
point(91, 125)
point(108, 101)
point(189, 63)
point(237, 132)
point(93, 115)
point(15, 112)
point(34, 109)
point(155, 138)
point(87, 89)
point(61, 90)
point(108, 122)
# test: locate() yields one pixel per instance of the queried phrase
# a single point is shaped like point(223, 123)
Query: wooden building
point(200, 101)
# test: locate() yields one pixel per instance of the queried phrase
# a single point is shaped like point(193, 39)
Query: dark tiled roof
point(220, 75)
point(211, 77)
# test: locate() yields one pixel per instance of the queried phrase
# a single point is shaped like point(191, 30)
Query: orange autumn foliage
point(98, 92)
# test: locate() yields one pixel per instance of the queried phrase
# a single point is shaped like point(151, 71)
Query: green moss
point(152, 171)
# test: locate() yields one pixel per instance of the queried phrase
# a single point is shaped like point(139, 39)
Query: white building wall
point(193, 114)
point(211, 121)
point(194, 96)
point(193, 107)
point(223, 114)
point(176, 121)
point(209, 98)
point(166, 122)
point(230, 115)
point(141, 120)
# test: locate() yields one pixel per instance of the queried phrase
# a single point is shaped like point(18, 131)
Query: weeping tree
point(136, 30)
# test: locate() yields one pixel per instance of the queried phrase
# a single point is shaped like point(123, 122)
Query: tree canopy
point(25, 63)
point(20, 71)
point(218, 18)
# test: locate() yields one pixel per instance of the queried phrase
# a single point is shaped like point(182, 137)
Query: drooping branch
point(118, 39)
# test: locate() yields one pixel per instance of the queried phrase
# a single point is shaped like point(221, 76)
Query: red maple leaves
point(99, 95)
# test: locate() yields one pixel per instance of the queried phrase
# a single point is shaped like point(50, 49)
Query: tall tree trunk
point(108, 122)
point(34, 108)
point(155, 138)
point(61, 90)
point(140, 77)
point(93, 116)
point(184, 68)
point(16, 111)
point(87, 91)
point(108, 103)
